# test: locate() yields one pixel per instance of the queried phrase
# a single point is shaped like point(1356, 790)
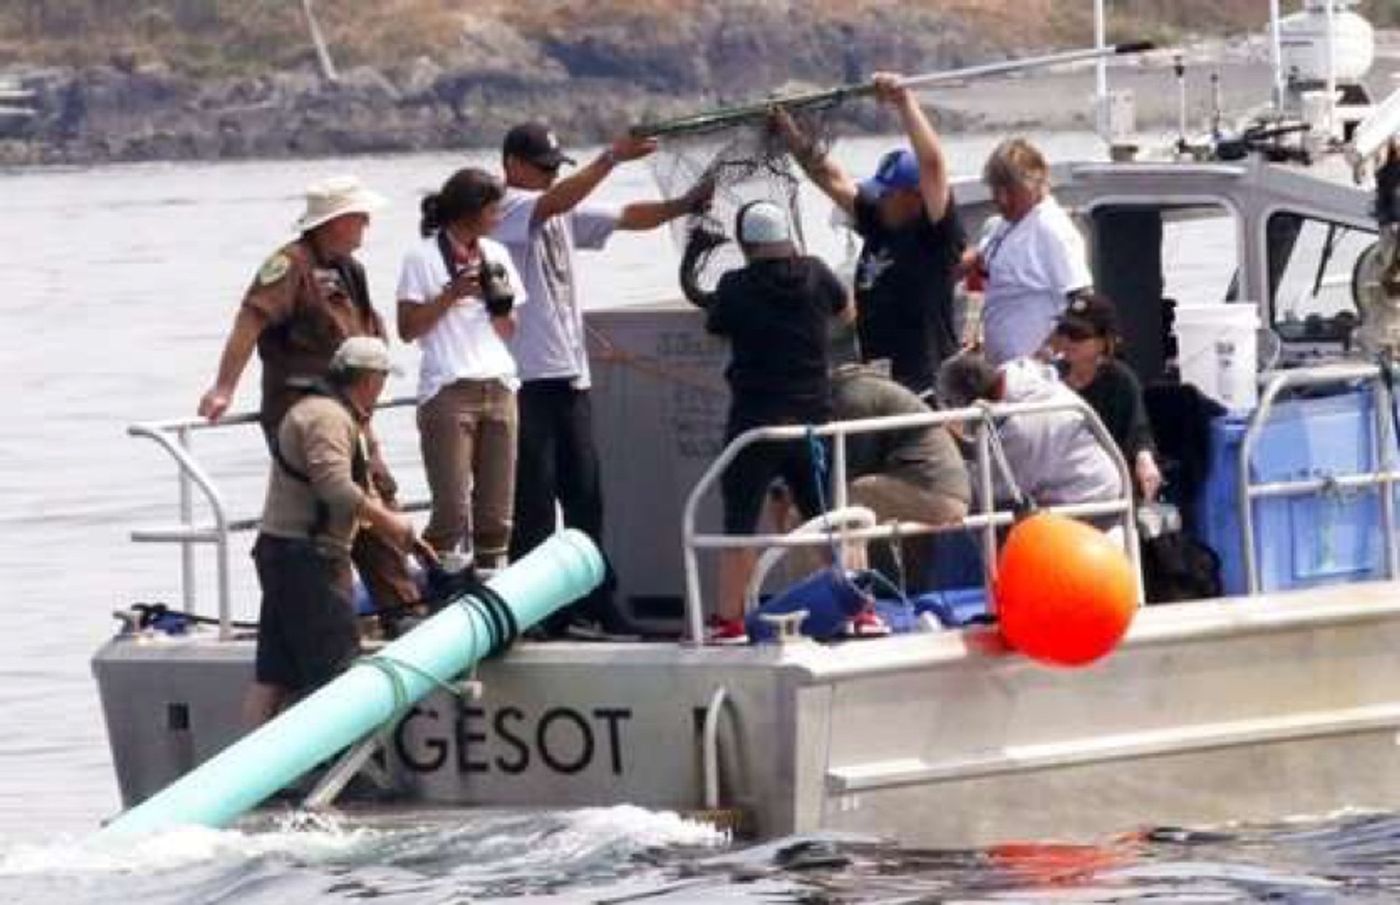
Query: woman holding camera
point(457, 292)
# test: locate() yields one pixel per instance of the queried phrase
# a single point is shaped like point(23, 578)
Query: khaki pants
point(467, 432)
point(893, 499)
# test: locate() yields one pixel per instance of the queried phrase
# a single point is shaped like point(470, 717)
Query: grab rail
point(1381, 445)
point(988, 520)
point(174, 436)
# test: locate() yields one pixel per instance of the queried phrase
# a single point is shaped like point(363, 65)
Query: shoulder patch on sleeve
point(274, 269)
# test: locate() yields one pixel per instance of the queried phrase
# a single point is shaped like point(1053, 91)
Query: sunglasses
point(1076, 332)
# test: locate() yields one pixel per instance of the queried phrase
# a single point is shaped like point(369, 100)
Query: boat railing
point(982, 417)
point(176, 438)
point(1381, 476)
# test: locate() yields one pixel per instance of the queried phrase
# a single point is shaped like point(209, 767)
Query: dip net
point(747, 160)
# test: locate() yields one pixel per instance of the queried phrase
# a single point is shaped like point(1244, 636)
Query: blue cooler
point(1303, 541)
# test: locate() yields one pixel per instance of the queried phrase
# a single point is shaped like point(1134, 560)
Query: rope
point(1023, 506)
point(148, 614)
point(817, 450)
point(609, 352)
point(475, 600)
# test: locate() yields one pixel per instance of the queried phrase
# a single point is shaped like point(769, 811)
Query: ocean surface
point(117, 287)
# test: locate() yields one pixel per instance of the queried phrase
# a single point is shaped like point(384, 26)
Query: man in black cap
point(543, 219)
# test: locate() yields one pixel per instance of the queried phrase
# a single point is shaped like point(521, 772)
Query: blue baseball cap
point(898, 169)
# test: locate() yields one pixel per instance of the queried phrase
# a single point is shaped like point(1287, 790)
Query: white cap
point(363, 353)
point(763, 223)
point(335, 197)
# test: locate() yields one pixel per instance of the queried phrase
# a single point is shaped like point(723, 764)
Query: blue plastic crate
point(1300, 541)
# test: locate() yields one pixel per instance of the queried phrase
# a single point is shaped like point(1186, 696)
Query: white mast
point(1276, 52)
point(1331, 83)
point(1101, 88)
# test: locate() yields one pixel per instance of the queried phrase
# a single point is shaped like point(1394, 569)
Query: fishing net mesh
point(748, 161)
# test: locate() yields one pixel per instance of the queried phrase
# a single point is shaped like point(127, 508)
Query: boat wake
point(418, 856)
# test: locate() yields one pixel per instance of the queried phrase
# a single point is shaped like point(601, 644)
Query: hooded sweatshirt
point(1053, 455)
point(775, 312)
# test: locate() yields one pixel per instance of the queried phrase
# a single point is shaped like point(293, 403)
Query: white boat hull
point(1219, 711)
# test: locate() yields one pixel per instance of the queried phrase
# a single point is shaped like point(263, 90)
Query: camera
point(496, 290)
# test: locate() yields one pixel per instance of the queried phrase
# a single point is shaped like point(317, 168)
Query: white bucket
point(1217, 350)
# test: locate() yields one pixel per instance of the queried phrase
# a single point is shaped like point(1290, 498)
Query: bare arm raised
point(825, 173)
point(644, 215)
point(933, 167)
point(569, 192)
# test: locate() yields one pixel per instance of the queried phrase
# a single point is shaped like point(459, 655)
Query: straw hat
point(335, 197)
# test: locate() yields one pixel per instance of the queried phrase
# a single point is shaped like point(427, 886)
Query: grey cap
point(363, 353)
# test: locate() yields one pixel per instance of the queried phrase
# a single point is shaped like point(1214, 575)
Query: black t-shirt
point(775, 314)
point(1116, 396)
point(904, 292)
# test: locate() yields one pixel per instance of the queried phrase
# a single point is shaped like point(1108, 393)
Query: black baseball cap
point(1088, 315)
point(537, 144)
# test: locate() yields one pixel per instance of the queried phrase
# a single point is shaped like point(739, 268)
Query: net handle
point(723, 115)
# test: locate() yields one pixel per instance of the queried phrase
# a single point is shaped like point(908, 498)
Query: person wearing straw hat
point(306, 299)
point(912, 237)
point(318, 495)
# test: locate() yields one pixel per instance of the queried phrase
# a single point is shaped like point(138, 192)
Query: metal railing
point(1381, 475)
point(987, 520)
point(174, 436)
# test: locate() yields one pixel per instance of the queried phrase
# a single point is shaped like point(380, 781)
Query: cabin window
point(1149, 257)
point(1200, 254)
point(1310, 267)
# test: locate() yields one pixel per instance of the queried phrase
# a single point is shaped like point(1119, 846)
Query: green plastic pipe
point(364, 698)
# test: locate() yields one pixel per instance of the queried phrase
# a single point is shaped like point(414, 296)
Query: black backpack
point(1175, 566)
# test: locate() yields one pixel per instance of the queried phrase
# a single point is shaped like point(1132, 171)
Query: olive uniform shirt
point(309, 307)
point(318, 437)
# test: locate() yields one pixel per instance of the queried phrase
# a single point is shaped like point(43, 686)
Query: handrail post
point(1242, 477)
point(988, 519)
point(839, 492)
point(1385, 408)
point(1246, 492)
point(188, 591)
point(225, 587)
point(191, 470)
point(984, 479)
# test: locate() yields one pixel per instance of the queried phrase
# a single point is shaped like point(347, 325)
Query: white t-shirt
point(462, 345)
point(549, 338)
point(1032, 265)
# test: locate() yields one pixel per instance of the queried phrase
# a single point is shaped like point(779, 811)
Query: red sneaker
point(726, 631)
point(867, 624)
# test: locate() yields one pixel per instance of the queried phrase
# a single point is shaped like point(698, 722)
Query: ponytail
point(463, 196)
point(431, 214)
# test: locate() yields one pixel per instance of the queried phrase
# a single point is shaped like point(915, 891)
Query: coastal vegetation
point(121, 79)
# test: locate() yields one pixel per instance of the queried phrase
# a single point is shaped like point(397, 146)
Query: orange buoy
point(1065, 592)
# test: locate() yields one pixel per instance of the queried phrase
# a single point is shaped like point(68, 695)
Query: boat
point(1281, 698)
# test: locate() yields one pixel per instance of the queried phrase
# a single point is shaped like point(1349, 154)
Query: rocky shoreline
point(589, 86)
point(590, 77)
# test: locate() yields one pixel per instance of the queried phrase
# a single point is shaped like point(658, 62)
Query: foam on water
point(180, 848)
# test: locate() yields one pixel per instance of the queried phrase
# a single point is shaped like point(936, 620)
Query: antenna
point(1276, 53)
point(1179, 67)
point(1101, 71)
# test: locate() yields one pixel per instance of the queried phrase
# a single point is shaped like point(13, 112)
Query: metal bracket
point(787, 627)
point(356, 760)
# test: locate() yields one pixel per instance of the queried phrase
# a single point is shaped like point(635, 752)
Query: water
point(119, 284)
